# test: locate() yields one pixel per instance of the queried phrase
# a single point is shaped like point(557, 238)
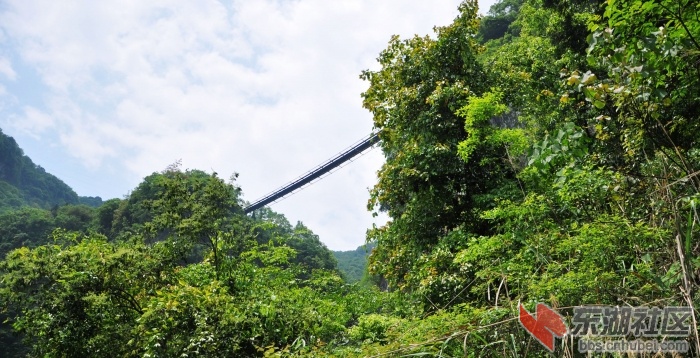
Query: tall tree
point(424, 186)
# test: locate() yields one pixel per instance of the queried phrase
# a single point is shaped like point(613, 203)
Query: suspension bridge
point(316, 173)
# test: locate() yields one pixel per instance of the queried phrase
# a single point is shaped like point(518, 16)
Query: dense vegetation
point(23, 183)
point(105, 266)
point(547, 152)
point(353, 264)
point(554, 162)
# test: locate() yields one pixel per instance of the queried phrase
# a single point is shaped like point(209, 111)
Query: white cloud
point(265, 88)
point(6, 69)
point(32, 121)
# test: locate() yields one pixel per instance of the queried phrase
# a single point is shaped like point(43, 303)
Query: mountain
point(353, 263)
point(23, 183)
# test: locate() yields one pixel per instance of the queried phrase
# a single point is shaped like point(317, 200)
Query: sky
point(104, 93)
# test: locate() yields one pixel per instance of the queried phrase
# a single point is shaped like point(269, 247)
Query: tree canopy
point(24, 183)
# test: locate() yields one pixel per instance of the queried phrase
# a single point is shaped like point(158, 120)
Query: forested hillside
point(545, 153)
point(353, 264)
point(23, 183)
point(173, 221)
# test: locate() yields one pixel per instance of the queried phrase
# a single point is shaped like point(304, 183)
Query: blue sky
point(103, 93)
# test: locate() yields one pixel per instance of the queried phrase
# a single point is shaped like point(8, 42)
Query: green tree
point(425, 187)
point(497, 23)
point(194, 212)
point(311, 252)
point(93, 201)
point(74, 217)
point(84, 295)
point(105, 216)
point(79, 296)
point(24, 227)
point(600, 208)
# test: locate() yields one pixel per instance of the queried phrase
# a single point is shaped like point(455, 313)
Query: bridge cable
point(315, 173)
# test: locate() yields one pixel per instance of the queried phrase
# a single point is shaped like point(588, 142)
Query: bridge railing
point(315, 173)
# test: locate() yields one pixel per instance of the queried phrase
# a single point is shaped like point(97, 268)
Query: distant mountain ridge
point(353, 263)
point(23, 183)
